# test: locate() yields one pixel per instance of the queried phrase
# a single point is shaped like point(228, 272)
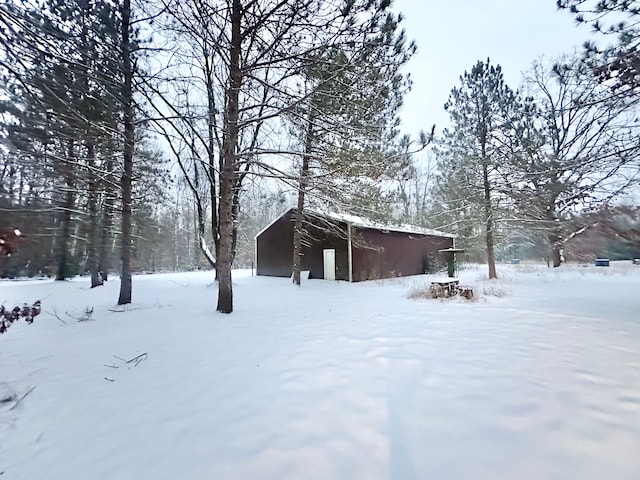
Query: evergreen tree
point(475, 152)
point(349, 118)
point(59, 74)
point(619, 63)
point(127, 70)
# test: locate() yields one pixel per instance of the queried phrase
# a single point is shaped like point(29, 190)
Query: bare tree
point(583, 155)
point(239, 77)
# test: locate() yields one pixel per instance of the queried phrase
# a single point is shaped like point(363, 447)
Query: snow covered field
point(537, 379)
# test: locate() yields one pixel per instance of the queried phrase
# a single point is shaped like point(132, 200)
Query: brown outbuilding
point(344, 247)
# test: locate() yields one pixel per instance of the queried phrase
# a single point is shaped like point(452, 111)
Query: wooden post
point(451, 265)
point(451, 260)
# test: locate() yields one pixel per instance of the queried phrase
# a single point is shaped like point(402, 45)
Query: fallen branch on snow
point(86, 316)
point(22, 398)
point(134, 360)
point(55, 314)
point(128, 309)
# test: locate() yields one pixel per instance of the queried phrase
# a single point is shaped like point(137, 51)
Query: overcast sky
point(452, 35)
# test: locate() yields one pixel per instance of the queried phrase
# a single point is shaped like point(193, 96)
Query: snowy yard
point(537, 379)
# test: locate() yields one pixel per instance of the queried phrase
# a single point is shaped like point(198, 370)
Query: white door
point(329, 261)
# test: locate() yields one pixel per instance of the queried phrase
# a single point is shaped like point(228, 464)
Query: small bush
point(8, 316)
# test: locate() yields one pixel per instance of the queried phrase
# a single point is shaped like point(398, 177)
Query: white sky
point(452, 35)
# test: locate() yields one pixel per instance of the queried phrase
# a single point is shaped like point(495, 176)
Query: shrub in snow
point(8, 316)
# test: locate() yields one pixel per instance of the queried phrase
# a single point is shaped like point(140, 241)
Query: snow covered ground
point(537, 379)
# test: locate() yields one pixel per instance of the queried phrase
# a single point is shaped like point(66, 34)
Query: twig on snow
point(140, 358)
point(85, 317)
point(55, 314)
point(109, 379)
point(127, 309)
point(135, 360)
point(22, 398)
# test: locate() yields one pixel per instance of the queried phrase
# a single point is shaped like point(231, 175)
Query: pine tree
point(619, 63)
point(474, 153)
point(126, 95)
point(353, 92)
point(62, 73)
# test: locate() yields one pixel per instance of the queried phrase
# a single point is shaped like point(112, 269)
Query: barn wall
point(313, 255)
point(400, 254)
point(274, 248)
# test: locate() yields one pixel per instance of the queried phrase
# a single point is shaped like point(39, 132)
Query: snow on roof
point(361, 222)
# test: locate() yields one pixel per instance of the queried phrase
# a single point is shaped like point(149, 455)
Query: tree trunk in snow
point(96, 278)
point(557, 256)
point(105, 233)
point(489, 223)
point(297, 234)
point(556, 249)
point(298, 229)
point(127, 174)
point(228, 171)
point(67, 207)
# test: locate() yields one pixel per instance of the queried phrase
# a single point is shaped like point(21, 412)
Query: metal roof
point(360, 222)
point(357, 221)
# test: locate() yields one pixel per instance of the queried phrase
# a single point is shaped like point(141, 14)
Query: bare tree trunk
point(127, 174)
point(556, 256)
point(105, 233)
point(96, 279)
point(488, 210)
point(298, 231)
point(235, 211)
point(67, 207)
point(228, 171)
point(211, 147)
point(556, 249)
point(174, 256)
point(199, 218)
point(63, 244)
